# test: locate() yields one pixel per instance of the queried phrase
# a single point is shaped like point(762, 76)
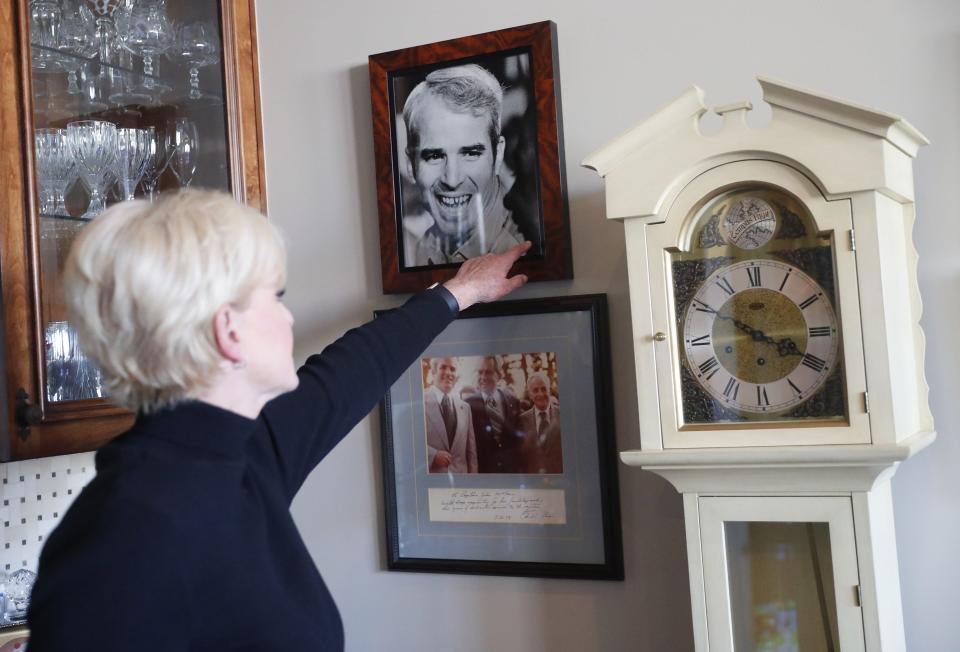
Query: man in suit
point(496, 413)
point(542, 450)
point(451, 445)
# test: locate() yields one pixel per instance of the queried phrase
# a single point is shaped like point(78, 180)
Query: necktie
point(495, 415)
point(449, 418)
point(542, 425)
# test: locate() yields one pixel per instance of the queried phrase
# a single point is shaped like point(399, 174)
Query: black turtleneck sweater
point(184, 539)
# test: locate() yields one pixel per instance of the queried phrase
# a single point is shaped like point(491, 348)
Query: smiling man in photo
point(454, 153)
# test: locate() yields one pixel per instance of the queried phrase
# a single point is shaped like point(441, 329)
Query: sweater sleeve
point(339, 386)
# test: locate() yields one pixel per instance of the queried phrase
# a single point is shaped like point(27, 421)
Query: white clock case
point(852, 167)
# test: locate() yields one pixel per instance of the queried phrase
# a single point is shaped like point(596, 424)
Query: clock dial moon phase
point(749, 223)
point(760, 336)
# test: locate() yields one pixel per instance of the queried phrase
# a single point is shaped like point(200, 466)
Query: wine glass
point(44, 140)
point(77, 42)
point(106, 30)
point(132, 152)
point(183, 140)
point(197, 45)
point(45, 17)
point(94, 146)
point(158, 157)
point(55, 169)
point(147, 32)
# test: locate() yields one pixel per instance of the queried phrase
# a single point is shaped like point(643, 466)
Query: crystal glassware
point(132, 152)
point(183, 141)
point(147, 32)
point(45, 17)
point(94, 147)
point(19, 586)
point(127, 91)
point(197, 45)
point(44, 140)
point(106, 31)
point(71, 375)
point(158, 157)
point(55, 169)
point(77, 42)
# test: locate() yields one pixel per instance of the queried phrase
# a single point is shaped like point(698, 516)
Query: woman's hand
point(484, 278)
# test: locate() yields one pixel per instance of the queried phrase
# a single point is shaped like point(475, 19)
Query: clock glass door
point(756, 313)
point(780, 574)
point(781, 586)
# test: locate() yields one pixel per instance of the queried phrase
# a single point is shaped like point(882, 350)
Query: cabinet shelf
point(178, 80)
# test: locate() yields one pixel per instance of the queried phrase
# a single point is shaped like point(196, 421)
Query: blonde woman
point(184, 539)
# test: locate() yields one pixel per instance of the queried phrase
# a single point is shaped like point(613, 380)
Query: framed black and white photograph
point(499, 451)
point(469, 155)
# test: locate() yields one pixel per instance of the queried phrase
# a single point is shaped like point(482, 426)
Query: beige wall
point(619, 61)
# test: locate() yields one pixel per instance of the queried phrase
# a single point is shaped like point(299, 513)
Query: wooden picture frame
point(524, 480)
point(506, 188)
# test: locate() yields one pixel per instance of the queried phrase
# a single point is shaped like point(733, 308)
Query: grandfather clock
point(779, 357)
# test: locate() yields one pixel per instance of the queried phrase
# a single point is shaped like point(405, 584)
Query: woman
point(184, 539)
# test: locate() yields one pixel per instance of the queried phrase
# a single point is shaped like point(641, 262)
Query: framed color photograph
point(469, 155)
point(499, 451)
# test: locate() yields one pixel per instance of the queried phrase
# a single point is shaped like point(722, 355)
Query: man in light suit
point(542, 450)
point(451, 445)
point(496, 416)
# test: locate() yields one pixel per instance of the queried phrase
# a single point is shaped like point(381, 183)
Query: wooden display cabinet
point(55, 402)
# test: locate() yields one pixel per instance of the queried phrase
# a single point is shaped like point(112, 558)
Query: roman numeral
point(753, 273)
point(702, 307)
point(813, 362)
point(725, 285)
point(812, 299)
point(712, 365)
point(820, 331)
point(784, 281)
point(732, 388)
point(703, 340)
point(795, 388)
point(762, 396)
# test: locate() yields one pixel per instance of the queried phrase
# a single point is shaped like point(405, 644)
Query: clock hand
point(785, 346)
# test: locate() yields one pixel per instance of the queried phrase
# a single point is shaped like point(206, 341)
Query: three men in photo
point(485, 428)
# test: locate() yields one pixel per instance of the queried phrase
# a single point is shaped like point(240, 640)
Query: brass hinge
point(853, 240)
point(866, 402)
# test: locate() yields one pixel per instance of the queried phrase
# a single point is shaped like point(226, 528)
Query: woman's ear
point(227, 335)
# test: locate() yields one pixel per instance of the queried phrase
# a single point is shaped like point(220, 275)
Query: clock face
point(760, 336)
point(758, 327)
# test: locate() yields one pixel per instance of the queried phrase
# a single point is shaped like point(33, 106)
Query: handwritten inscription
point(533, 506)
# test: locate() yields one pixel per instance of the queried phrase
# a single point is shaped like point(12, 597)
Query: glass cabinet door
point(780, 574)
point(120, 99)
point(128, 101)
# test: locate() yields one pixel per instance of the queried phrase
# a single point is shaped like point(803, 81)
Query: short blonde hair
point(144, 281)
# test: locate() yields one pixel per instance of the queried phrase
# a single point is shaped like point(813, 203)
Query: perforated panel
point(33, 497)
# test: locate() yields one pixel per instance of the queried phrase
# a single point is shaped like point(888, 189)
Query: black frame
point(612, 566)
